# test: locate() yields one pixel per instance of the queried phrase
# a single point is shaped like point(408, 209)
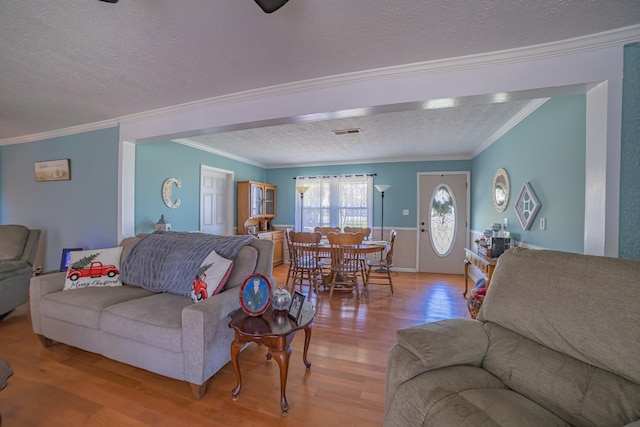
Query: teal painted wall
point(155, 162)
point(629, 244)
point(547, 149)
point(81, 212)
point(402, 177)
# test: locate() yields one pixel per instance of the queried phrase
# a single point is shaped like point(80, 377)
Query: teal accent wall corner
point(155, 162)
point(81, 212)
point(547, 150)
point(629, 243)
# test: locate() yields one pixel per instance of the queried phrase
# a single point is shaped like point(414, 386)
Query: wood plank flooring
point(63, 386)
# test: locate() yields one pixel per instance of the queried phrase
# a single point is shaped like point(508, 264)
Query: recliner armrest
point(431, 346)
point(446, 343)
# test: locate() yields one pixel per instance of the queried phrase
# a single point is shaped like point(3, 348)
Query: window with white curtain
point(335, 201)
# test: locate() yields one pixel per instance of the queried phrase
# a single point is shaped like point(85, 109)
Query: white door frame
point(419, 214)
point(230, 196)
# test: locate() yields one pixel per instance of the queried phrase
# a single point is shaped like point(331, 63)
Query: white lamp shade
point(302, 190)
point(382, 187)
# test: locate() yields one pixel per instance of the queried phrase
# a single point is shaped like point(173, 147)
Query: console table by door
point(477, 266)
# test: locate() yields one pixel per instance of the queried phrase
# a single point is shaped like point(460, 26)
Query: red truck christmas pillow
point(94, 268)
point(211, 277)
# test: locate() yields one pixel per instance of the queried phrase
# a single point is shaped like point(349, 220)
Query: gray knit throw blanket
point(167, 261)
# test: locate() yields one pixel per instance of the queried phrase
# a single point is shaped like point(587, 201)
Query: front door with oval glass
point(443, 222)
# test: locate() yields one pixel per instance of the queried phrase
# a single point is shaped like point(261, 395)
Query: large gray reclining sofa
point(161, 332)
point(18, 246)
point(556, 343)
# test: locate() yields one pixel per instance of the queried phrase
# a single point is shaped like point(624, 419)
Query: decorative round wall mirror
point(501, 190)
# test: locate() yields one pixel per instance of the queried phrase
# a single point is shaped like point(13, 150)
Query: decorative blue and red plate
point(255, 294)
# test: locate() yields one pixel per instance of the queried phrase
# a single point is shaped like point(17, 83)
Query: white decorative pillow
point(211, 277)
point(94, 268)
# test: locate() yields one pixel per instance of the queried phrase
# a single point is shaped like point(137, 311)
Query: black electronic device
point(270, 6)
point(499, 245)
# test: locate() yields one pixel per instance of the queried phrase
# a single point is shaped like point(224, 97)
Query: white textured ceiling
point(67, 63)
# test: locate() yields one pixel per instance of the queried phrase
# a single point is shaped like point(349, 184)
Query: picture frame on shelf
point(66, 256)
point(297, 301)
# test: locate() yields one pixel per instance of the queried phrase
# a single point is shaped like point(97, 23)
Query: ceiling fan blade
point(271, 5)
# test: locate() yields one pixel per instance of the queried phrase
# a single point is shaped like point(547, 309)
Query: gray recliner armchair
point(18, 245)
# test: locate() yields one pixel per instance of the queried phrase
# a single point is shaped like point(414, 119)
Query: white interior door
point(216, 201)
point(443, 226)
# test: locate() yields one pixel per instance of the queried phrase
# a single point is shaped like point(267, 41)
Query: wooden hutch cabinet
point(257, 201)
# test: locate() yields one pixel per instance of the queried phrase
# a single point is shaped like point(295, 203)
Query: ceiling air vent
point(346, 131)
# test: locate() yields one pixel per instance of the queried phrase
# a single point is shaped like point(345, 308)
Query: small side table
point(275, 330)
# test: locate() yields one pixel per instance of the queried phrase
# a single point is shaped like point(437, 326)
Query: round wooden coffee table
point(275, 330)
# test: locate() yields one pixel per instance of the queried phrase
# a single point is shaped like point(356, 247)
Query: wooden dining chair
point(346, 264)
point(379, 271)
point(290, 251)
point(364, 230)
point(326, 230)
point(306, 263)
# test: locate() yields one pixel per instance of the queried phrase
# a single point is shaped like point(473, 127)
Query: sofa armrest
point(205, 329)
point(446, 343)
point(40, 286)
point(431, 346)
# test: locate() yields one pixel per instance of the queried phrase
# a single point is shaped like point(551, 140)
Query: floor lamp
point(382, 188)
point(301, 190)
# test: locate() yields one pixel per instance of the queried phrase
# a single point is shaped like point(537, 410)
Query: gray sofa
point(556, 343)
point(160, 332)
point(18, 246)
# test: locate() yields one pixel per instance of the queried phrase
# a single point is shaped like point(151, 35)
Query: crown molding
point(105, 124)
point(617, 37)
point(189, 143)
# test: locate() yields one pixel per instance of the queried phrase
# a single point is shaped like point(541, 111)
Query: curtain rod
point(336, 176)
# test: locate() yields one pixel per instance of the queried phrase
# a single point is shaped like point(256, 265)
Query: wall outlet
point(543, 223)
point(405, 212)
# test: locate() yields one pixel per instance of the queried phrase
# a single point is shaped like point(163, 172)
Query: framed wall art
point(53, 170)
point(527, 206)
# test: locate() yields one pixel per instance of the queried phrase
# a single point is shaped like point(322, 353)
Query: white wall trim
point(596, 41)
point(198, 146)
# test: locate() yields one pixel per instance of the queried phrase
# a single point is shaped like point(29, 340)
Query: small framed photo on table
point(296, 306)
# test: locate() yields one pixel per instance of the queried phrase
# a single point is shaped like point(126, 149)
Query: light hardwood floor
point(63, 386)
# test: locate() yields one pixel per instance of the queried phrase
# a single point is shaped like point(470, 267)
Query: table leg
point(307, 340)
point(282, 357)
point(236, 346)
point(466, 276)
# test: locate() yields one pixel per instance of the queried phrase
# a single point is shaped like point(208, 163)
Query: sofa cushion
point(13, 238)
point(534, 294)
point(94, 268)
point(155, 320)
point(84, 306)
point(578, 392)
point(463, 396)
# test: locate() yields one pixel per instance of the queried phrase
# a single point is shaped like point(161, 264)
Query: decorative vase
point(281, 299)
